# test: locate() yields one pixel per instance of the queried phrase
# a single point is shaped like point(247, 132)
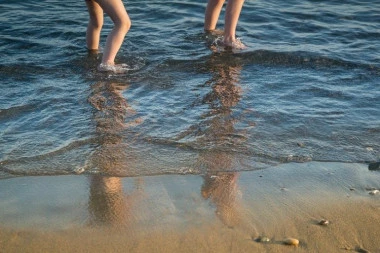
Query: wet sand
point(222, 212)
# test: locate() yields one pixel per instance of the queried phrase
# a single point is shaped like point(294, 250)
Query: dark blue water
point(306, 89)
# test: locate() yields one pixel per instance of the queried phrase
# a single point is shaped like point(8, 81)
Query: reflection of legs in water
point(221, 188)
point(112, 155)
point(106, 201)
point(108, 205)
point(233, 10)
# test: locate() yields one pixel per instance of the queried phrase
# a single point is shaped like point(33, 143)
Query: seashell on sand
point(291, 241)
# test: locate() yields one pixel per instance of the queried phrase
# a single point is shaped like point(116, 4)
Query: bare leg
point(231, 19)
point(94, 25)
point(117, 12)
point(213, 10)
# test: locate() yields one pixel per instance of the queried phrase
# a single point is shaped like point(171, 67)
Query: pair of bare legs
point(233, 9)
point(116, 11)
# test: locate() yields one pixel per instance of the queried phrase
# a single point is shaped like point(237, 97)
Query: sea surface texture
point(307, 88)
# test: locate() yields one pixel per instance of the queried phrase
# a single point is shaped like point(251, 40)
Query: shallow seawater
point(305, 89)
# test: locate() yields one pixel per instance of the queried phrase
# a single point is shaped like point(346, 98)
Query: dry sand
point(223, 212)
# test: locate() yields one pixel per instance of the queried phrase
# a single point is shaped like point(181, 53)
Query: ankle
point(107, 63)
point(234, 43)
point(228, 40)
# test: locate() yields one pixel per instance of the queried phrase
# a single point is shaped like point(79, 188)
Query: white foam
point(117, 68)
point(220, 45)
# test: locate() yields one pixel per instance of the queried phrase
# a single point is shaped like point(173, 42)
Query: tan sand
point(222, 212)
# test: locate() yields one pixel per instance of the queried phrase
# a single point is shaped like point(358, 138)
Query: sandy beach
point(194, 146)
point(225, 212)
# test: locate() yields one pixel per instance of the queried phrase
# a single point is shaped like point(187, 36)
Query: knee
point(127, 24)
point(96, 24)
point(124, 24)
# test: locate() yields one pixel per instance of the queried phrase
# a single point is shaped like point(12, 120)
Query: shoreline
point(222, 212)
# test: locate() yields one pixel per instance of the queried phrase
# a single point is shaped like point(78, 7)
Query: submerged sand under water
point(220, 212)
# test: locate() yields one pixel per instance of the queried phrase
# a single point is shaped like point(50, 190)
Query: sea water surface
point(307, 88)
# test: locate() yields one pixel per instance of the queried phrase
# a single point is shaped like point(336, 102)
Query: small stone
point(79, 170)
point(291, 241)
point(346, 247)
point(323, 222)
point(301, 144)
point(374, 192)
point(262, 239)
point(361, 250)
point(374, 166)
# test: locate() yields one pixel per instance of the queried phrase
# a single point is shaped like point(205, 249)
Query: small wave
point(62, 150)
point(8, 172)
point(23, 70)
point(300, 58)
point(11, 112)
point(64, 160)
point(267, 57)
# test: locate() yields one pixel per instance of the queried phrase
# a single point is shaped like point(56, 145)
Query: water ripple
point(305, 89)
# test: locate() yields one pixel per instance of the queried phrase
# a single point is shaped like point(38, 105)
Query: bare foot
point(235, 45)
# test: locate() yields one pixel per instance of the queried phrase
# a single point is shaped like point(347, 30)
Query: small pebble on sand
point(324, 222)
point(361, 250)
point(262, 239)
point(291, 241)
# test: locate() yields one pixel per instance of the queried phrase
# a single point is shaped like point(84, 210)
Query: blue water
point(305, 89)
